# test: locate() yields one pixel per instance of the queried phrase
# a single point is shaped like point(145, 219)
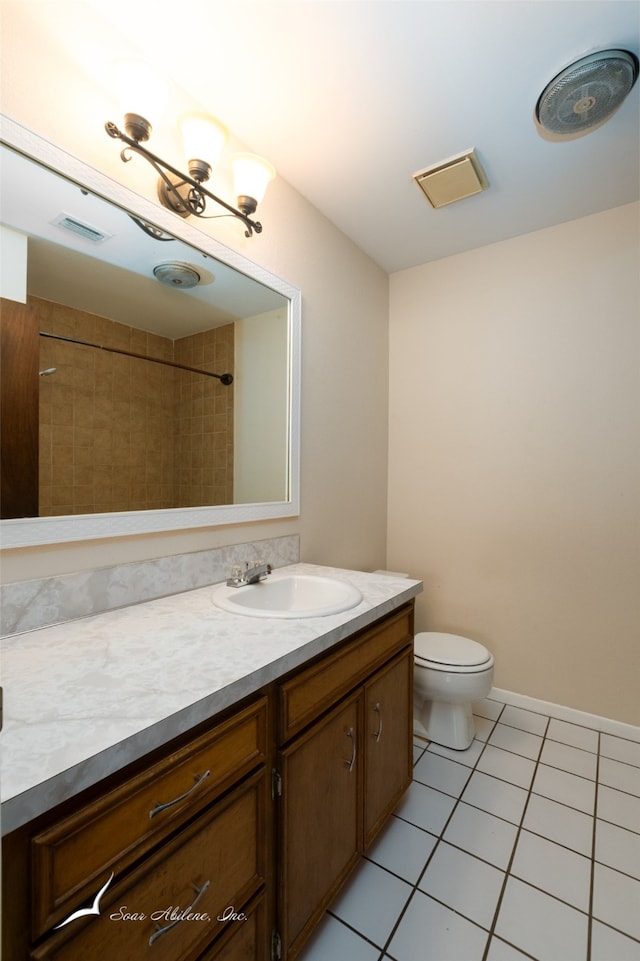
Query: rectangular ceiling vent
point(67, 222)
point(451, 180)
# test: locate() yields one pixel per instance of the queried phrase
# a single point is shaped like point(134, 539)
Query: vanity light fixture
point(204, 139)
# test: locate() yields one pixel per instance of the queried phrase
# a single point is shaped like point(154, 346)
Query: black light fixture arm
point(194, 202)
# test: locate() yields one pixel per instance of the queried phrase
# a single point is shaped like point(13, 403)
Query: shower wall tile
point(118, 433)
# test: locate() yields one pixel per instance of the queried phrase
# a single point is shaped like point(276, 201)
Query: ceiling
point(348, 99)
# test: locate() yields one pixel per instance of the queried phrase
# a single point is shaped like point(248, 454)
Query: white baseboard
point(562, 713)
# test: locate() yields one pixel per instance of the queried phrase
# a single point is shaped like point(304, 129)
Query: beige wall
point(344, 320)
point(515, 456)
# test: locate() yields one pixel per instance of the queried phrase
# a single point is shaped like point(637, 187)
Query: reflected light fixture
point(142, 96)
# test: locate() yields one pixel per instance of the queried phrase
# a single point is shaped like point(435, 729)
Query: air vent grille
point(67, 222)
point(454, 179)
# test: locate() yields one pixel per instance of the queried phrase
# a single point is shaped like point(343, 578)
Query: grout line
point(593, 856)
point(350, 927)
point(415, 887)
point(507, 872)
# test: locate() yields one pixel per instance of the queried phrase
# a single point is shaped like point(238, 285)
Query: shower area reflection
point(132, 420)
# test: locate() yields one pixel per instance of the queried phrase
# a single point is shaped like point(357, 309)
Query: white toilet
point(451, 672)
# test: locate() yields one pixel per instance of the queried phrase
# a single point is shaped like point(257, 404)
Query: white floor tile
point(619, 808)
point(441, 773)
point(559, 823)
point(482, 834)
point(568, 758)
point(554, 869)
point(467, 757)
point(620, 749)
point(431, 932)
point(573, 734)
point(499, 951)
point(332, 939)
point(403, 849)
point(495, 796)
point(525, 720)
point(474, 800)
point(467, 885)
point(517, 741)
point(616, 899)
point(488, 708)
point(540, 925)
point(609, 945)
point(618, 848)
point(371, 902)
point(426, 808)
point(576, 792)
point(507, 766)
point(623, 777)
point(483, 727)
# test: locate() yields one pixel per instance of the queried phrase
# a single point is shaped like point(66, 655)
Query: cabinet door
point(388, 750)
point(319, 819)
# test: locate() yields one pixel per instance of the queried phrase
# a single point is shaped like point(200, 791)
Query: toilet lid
point(450, 649)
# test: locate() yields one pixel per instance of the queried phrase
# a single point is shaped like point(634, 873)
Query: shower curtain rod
point(225, 379)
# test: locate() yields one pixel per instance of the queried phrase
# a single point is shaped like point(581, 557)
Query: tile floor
point(524, 846)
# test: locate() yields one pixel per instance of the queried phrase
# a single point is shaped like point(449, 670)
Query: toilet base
point(450, 725)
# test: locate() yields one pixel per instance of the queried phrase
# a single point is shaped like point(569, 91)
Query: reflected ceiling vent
point(174, 274)
point(586, 93)
point(451, 180)
point(67, 222)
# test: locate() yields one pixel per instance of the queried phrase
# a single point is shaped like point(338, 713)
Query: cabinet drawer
point(315, 689)
point(71, 860)
point(213, 864)
point(247, 940)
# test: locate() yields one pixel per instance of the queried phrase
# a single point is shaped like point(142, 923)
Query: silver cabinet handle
point(378, 734)
point(160, 931)
point(162, 807)
point(350, 764)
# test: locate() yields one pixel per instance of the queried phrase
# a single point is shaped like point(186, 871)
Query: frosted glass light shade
point(140, 90)
point(251, 176)
point(203, 138)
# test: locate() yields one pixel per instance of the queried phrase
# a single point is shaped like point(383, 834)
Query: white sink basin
point(288, 595)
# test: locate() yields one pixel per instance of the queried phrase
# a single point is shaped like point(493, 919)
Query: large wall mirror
point(165, 367)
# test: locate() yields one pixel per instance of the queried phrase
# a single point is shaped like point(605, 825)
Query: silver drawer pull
point(160, 931)
point(350, 763)
point(162, 807)
point(378, 734)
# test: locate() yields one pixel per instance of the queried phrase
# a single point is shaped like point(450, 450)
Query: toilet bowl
point(451, 672)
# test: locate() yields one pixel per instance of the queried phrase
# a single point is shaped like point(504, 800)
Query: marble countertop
point(85, 698)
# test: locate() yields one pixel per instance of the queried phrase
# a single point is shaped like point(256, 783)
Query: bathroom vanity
point(222, 829)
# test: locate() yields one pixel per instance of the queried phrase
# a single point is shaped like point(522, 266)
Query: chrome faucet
point(240, 576)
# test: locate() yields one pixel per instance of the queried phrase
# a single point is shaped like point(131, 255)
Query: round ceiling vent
point(588, 92)
point(173, 274)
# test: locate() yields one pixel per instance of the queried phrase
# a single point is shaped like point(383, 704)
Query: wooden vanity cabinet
point(255, 819)
point(188, 830)
point(388, 728)
point(345, 759)
point(320, 800)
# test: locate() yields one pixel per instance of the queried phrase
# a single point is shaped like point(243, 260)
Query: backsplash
point(28, 605)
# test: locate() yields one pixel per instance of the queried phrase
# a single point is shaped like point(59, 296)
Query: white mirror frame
point(33, 531)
